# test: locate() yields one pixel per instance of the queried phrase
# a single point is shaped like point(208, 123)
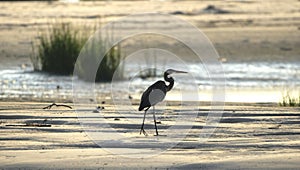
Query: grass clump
point(57, 49)
point(290, 101)
point(109, 64)
point(56, 52)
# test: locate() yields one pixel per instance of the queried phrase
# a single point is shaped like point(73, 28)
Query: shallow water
point(18, 83)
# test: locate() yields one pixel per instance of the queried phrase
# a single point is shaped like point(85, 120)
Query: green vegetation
point(109, 64)
point(58, 49)
point(290, 101)
point(56, 52)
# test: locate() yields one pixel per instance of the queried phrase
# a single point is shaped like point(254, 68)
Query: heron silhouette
point(155, 94)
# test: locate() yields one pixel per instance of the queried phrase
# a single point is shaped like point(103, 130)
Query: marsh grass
point(58, 47)
point(290, 101)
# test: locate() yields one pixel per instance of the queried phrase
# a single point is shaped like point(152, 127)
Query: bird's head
point(171, 71)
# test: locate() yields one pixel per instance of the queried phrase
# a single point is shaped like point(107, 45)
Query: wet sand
point(249, 136)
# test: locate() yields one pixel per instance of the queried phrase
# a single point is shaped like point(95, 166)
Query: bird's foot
point(144, 132)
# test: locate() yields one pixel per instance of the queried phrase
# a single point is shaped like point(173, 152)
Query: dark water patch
point(286, 49)
point(3, 15)
point(268, 114)
point(295, 122)
point(29, 125)
point(204, 146)
point(43, 129)
point(257, 114)
point(136, 145)
point(16, 117)
point(14, 138)
point(177, 13)
point(46, 121)
point(237, 120)
point(277, 134)
point(246, 2)
point(18, 148)
point(79, 146)
point(150, 126)
point(37, 117)
point(93, 16)
point(52, 130)
point(50, 147)
point(132, 126)
point(119, 117)
point(211, 9)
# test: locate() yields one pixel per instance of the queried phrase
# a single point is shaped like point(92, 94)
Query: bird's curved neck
point(170, 80)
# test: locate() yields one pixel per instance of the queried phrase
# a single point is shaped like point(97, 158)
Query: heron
point(155, 94)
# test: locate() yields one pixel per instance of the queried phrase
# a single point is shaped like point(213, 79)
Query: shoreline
point(232, 95)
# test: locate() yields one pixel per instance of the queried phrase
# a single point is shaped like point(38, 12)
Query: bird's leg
point(155, 121)
point(142, 128)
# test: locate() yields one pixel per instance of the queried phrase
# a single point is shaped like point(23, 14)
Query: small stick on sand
point(57, 105)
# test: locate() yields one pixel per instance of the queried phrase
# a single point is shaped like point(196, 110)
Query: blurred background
point(257, 40)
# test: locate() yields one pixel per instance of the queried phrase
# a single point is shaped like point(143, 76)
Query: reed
point(290, 101)
point(57, 49)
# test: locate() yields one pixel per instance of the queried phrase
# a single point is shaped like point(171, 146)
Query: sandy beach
point(258, 43)
point(248, 137)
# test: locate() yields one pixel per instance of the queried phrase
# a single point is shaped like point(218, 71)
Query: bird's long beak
point(177, 71)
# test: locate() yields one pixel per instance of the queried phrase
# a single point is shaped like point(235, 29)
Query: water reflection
point(25, 83)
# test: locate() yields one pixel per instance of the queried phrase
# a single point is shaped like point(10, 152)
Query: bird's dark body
point(145, 100)
point(155, 94)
